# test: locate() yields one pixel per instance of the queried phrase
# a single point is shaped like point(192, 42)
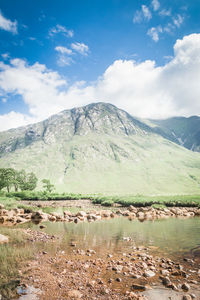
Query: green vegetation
point(43, 195)
point(12, 199)
point(10, 177)
point(101, 149)
point(12, 256)
point(182, 200)
point(47, 185)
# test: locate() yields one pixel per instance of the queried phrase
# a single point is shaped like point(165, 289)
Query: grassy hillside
point(101, 149)
point(112, 166)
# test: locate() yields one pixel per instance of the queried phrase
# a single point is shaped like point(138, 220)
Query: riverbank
point(87, 273)
point(16, 216)
point(109, 200)
point(76, 271)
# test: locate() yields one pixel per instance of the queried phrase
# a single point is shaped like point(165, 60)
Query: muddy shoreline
point(86, 274)
point(57, 272)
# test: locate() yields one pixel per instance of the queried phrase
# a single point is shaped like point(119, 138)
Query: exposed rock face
point(100, 148)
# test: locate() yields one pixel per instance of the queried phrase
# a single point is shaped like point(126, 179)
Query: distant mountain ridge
point(183, 131)
point(100, 148)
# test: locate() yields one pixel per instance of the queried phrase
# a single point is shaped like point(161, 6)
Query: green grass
point(12, 200)
point(182, 200)
point(40, 195)
point(12, 255)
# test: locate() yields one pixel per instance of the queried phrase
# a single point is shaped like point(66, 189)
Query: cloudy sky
point(142, 56)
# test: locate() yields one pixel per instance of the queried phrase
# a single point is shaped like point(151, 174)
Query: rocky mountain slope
point(181, 130)
point(100, 148)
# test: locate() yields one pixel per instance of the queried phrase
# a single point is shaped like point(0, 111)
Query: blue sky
point(74, 52)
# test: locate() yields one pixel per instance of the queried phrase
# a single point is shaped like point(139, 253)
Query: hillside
point(100, 148)
point(181, 130)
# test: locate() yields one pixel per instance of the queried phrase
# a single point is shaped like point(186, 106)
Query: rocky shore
point(83, 274)
point(74, 272)
point(16, 216)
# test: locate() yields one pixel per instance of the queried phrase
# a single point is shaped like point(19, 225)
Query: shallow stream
point(172, 236)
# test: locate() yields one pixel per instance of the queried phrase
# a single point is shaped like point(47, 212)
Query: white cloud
point(61, 29)
point(4, 100)
point(5, 55)
point(143, 14)
point(155, 4)
point(146, 12)
point(143, 89)
point(8, 25)
point(63, 50)
point(178, 20)
point(165, 12)
point(80, 47)
point(14, 120)
point(138, 17)
point(31, 38)
point(154, 33)
point(63, 56)
point(38, 86)
point(64, 60)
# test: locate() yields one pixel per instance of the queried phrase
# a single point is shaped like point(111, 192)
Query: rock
point(1, 207)
point(132, 208)
point(74, 294)
point(185, 286)
point(3, 219)
point(135, 276)
point(139, 287)
point(118, 279)
point(166, 281)
point(67, 213)
point(3, 239)
point(164, 272)
point(42, 226)
point(105, 213)
point(187, 297)
point(149, 274)
point(81, 214)
point(52, 218)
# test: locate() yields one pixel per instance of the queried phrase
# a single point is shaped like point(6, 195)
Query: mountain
point(99, 148)
point(181, 130)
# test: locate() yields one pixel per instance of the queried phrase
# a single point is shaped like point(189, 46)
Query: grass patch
point(11, 200)
point(12, 255)
point(40, 195)
point(183, 200)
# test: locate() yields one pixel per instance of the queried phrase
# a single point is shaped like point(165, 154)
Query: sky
point(142, 56)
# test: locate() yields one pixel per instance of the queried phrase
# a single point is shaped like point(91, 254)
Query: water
point(173, 236)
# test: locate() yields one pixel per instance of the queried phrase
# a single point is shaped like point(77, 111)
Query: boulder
point(67, 213)
point(81, 214)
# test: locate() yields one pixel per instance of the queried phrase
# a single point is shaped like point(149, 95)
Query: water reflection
point(172, 236)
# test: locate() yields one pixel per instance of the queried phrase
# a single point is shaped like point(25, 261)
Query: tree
point(47, 185)
point(2, 178)
point(26, 181)
point(7, 178)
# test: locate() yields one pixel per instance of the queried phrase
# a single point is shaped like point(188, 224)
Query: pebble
point(185, 286)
